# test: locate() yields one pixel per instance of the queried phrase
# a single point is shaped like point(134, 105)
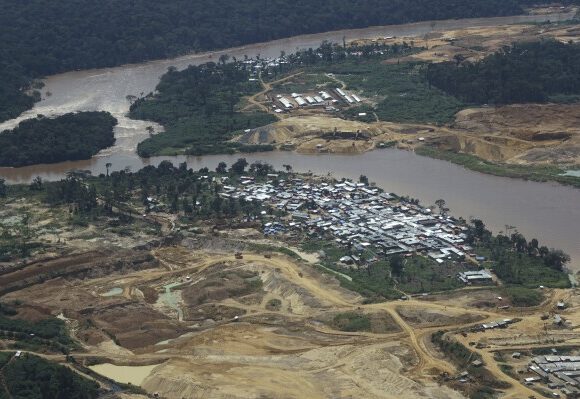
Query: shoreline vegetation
point(197, 107)
point(526, 172)
point(202, 204)
point(403, 92)
point(69, 137)
point(201, 198)
point(43, 39)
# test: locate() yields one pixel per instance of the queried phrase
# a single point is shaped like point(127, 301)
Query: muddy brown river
point(547, 211)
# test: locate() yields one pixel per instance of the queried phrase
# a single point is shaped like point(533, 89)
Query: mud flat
point(134, 375)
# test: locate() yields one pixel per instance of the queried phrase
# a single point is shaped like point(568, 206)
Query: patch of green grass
point(273, 248)
point(332, 253)
point(353, 113)
point(522, 296)
point(400, 91)
point(534, 173)
point(351, 322)
point(274, 304)
point(4, 357)
point(307, 82)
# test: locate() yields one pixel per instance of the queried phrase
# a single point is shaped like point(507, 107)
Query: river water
point(547, 211)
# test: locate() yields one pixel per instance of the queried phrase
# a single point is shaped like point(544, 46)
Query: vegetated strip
point(33, 377)
point(534, 173)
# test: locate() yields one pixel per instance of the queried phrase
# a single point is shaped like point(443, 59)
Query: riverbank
point(525, 172)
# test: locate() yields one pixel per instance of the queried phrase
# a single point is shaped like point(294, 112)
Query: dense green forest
point(68, 137)
point(31, 377)
point(197, 108)
point(41, 38)
point(13, 97)
point(525, 72)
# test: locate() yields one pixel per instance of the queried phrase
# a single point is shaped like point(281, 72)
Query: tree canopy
point(68, 137)
point(521, 73)
point(197, 108)
point(40, 38)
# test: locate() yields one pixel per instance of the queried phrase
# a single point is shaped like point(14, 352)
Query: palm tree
point(108, 165)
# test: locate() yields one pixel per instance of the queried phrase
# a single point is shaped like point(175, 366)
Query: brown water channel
point(547, 211)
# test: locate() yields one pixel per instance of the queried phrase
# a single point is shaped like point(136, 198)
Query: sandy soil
point(520, 134)
point(291, 351)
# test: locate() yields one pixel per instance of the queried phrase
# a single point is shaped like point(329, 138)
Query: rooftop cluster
point(357, 216)
point(557, 372)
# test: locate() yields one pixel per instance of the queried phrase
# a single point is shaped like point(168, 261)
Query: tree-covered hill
point(40, 38)
point(523, 73)
point(68, 137)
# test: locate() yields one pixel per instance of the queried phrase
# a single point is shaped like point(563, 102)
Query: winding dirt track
point(267, 87)
point(429, 363)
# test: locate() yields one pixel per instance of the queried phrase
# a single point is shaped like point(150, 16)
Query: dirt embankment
point(86, 265)
point(521, 134)
point(298, 333)
point(326, 134)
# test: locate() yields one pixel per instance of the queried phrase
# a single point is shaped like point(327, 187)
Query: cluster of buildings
point(503, 323)
point(322, 98)
point(358, 217)
point(557, 372)
point(349, 98)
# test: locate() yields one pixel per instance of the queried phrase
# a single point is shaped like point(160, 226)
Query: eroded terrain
point(266, 325)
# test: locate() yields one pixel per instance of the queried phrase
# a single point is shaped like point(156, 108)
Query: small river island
point(70, 137)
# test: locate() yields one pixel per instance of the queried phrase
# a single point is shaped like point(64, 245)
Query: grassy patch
point(351, 322)
point(274, 305)
point(400, 91)
point(534, 173)
point(522, 296)
point(307, 82)
point(273, 248)
point(354, 113)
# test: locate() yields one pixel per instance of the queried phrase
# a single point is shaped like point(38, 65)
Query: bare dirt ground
point(305, 131)
point(206, 320)
point(520, 134)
